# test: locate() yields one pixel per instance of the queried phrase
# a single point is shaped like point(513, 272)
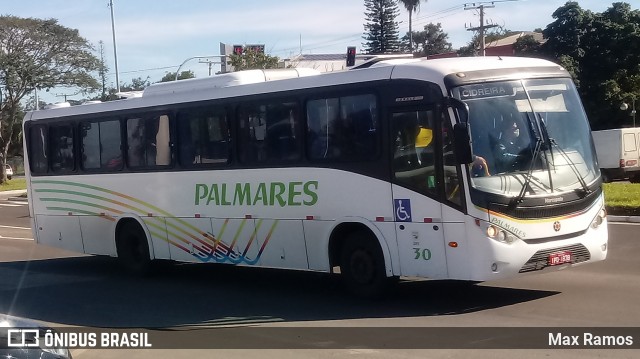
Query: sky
point(156, 36)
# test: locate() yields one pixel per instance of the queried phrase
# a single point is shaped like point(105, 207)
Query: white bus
point(392, 170)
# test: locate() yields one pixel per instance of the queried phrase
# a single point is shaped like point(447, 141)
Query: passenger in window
point(135, 141)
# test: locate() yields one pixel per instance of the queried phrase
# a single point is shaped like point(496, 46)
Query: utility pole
point(206, 61)
point(482, 26)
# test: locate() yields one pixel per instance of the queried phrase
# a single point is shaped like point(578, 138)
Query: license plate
point(559, 258)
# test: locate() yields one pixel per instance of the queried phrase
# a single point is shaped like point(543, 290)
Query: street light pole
point(625, 107)
point(115, 52)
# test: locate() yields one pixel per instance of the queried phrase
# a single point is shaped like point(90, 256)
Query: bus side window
point(100, 145)
point(268, 132)
point(281, 132)
point(149, 142)
point(322, 116)
point(135, 141)
point(38, 144)
point(359, 124)
point(203, 137)
point(344, 128)
point(61, 145)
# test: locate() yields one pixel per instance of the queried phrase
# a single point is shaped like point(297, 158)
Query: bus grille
point(545, 211)
point(540, 260)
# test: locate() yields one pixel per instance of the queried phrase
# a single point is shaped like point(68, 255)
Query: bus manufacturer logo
point(407, 99)
point(402, 210)
point(556, 226)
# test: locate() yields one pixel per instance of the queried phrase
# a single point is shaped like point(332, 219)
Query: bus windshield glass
point(528, 133)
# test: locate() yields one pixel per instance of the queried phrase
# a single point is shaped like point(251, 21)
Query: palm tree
point(411, 6)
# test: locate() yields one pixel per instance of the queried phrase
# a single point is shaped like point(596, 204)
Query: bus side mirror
point(459, 106)
point(462, 143)
point(461, 132)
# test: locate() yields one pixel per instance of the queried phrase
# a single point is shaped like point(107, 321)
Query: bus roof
point(267, 81)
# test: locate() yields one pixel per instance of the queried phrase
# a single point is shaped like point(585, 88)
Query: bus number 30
point(423, 253)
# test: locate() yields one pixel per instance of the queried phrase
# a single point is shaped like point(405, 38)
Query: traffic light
point(351, 56)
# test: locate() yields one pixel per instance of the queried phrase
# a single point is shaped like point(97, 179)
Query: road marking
point(19, 238)
point(12, 227)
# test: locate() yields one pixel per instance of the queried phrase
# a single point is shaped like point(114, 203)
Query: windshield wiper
point(572, 165)
point(534, 157)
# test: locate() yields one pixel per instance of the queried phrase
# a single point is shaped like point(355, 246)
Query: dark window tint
point(452, 174)
point(61, 145)
point(38, 141)
point(268, 132)
point(101, 145)
point(203, 137)
point(344, 128)
point(414, 155)
point(148, 142)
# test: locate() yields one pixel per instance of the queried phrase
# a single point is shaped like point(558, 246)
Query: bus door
point(416, 193)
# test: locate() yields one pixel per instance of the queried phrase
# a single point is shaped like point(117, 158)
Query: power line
point(482, 26)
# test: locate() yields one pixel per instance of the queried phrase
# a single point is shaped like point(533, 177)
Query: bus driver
point(509, 152)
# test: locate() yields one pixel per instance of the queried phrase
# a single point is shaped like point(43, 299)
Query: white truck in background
point(618, 153)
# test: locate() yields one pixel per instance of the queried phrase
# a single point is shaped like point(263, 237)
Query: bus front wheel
point(132, 247)
point(362, 265)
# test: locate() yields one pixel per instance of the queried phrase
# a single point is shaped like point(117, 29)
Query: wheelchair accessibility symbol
point(402, 210)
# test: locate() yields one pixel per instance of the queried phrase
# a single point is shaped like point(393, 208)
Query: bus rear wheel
point(133, 250)
point(362, 266)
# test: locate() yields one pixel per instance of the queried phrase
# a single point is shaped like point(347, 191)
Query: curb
point(13, 195)
point(624, 219)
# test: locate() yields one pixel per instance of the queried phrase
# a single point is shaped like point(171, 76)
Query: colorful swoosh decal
point(80, 198)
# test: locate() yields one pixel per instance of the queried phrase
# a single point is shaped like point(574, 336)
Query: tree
point(564, 35)
point(251, 59)
point(527, 45)
point(42, 54)
point(381, 27)
point(411, 6)
point(171, 76)
point(601, 51)
point(103, 69)
point(432, 40)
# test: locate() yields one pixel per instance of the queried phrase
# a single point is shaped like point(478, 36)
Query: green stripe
point(100, 189)
point(75, 210)
point(88, 204)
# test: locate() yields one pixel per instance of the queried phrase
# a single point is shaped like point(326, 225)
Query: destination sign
point(486, 91)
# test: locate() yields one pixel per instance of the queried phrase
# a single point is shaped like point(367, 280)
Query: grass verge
point(622, 199)
point(14, 184)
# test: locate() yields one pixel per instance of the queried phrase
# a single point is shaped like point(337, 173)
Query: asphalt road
point(66, 289)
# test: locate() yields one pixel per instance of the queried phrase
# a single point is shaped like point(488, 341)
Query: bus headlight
point(602, 214)
point(500, 234)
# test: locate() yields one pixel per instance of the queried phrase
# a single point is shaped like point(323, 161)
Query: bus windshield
point(534, 129)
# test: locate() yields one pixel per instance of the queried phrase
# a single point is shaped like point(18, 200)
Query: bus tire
point(362, 267)
point(606, 177)
point(132, 248)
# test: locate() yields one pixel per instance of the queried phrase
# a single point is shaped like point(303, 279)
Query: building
point(504, 47)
